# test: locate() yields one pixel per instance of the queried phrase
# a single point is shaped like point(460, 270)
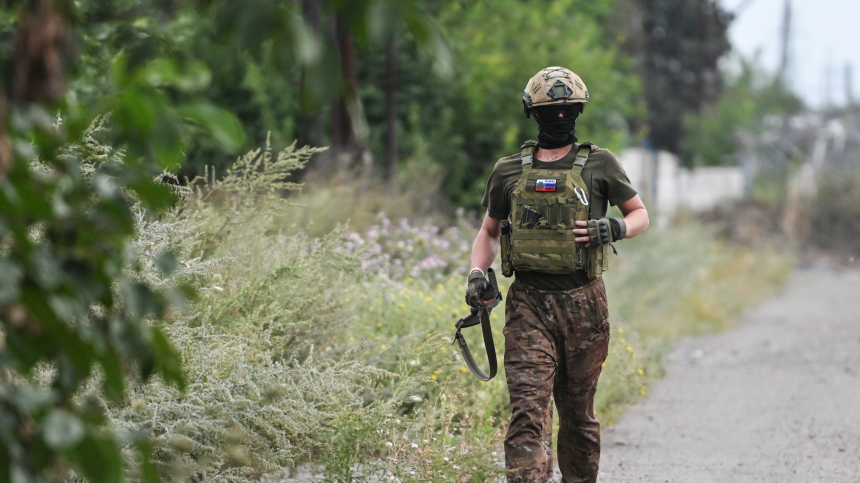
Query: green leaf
point(148, 470)
point(188, 76)
point(168, 360)
point(135, 113)
point(222, 124)
point(166, 262)
point(98, 458)
point(10, 277)
point(62, 429)
point(156, 196)
point(32, 401)
point(167, 141)
point(112, 367)
point(5, 464)
point(138, 298)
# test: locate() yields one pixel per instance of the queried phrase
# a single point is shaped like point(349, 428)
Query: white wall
point(668, 187)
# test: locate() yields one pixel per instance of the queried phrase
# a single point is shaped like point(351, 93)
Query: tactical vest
point(544, 206)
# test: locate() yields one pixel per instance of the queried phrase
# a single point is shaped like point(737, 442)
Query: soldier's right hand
point(479, 290)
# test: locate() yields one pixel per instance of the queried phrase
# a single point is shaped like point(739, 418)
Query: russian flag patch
point(545, 185)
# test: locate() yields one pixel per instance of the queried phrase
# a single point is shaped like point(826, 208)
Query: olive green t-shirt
point(607, 184)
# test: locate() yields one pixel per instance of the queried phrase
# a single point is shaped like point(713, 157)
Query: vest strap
point(581, 159)
point(527, 151)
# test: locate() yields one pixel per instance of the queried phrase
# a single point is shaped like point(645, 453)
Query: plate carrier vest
point(561, 198)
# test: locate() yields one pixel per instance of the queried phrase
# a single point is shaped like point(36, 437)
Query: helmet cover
point(554, 85)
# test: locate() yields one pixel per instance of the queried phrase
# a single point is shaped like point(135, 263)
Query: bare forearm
point(486, 243)
point(635, 216)
point(484, 250)
point(636, 221)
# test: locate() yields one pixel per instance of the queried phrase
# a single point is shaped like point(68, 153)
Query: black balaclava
point(557, 124)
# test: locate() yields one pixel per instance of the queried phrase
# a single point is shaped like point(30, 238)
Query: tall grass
point(333, 345)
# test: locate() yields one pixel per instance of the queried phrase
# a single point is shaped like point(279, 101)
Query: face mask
point(557, 125)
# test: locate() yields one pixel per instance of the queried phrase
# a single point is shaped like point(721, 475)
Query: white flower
point(389, 444)
point(416, 398)
point(445, 459)
point(397, 421)
point(455, 467)
point(414, 445)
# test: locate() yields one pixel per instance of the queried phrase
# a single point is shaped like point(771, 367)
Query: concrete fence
point(668, 187)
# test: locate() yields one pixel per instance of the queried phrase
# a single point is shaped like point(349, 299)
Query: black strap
point(480, 315)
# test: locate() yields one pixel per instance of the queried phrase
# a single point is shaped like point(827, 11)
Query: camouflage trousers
point(555, 345)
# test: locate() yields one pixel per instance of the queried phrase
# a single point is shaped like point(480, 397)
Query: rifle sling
point(484, 314)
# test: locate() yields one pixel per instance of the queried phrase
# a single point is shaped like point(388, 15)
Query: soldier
point(546, 209)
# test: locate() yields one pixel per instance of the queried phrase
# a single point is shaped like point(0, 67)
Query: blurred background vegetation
point(173, 308)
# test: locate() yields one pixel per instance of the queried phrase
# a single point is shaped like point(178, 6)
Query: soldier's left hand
point(582, 233)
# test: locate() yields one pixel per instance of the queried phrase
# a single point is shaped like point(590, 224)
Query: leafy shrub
point(68, 308)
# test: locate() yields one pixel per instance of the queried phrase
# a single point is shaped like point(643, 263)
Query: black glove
point(605, 231)
point(478, 290)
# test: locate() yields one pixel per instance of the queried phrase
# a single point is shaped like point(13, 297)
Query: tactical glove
point(606, 230)
point(478, 290)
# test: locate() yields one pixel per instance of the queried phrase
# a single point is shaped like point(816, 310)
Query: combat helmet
point(554, 85)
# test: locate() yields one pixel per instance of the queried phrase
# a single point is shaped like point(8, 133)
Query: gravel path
point(775, 400)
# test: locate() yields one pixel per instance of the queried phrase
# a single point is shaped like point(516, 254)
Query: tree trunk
point(391, 108)
point(43, 42)
point(348, 122)
point(342, 135)
point(310, 123)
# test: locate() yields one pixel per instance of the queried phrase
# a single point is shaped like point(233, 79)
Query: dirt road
point(775, 400)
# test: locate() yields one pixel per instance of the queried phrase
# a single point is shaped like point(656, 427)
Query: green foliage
point(749, 100)
point(68, 302)
point(73, 303)
point(270, 63)
point(468, 122)
point(460, 71)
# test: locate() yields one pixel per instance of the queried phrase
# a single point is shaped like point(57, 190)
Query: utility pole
point(849, 85)
point(785, 34)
